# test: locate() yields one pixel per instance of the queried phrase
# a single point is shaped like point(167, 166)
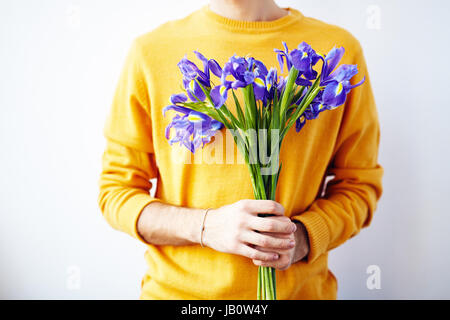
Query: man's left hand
point(288, 256)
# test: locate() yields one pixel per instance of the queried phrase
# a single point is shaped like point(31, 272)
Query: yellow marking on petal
point(320, 106)
point(269, 86)
point(339, 88)
point(191, 85)
point(305, 55)
point(194, 118)
point(222, 90)
point(259, 82)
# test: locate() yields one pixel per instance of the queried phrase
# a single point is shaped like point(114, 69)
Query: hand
point(288, 256)
point(237, 229)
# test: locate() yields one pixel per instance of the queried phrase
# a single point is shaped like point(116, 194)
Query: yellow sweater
point(343, 142)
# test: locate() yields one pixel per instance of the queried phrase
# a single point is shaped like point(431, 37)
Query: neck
point(248, 10)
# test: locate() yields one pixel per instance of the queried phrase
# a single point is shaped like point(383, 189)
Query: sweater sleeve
point(350, 198)
point(128, 160)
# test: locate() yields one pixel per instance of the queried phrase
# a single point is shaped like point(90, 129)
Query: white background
point(59, 64)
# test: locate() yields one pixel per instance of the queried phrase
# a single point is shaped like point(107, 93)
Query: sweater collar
point(253, 26)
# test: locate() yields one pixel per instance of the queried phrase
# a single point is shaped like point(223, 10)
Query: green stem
point(267, 284)
point(249, 106)
point(274, 284)
point(293, 73)
point(270, 274)
point(263, 286)
point(301, 108)
point(258, 292)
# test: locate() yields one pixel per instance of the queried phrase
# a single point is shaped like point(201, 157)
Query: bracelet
point(203, 226)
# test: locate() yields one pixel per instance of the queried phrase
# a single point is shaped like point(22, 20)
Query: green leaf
point(310, 95)
point(287, 92)
point(239, 110)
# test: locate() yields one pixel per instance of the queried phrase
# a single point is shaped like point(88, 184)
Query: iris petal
point(280, 61)
point(178, 98)
point(333, 96)
point(177, 109)
point(215, 67)
point(193, 129)
point(259, 92)
point(300, 123)
point(344, 73)
point(188, 68)
point(303, 82)
point(218, 97)
point(332, 60)
point(350, 87)
point(238, 84)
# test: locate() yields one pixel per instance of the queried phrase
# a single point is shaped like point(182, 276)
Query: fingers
point(262, 206)
point(257, 255)
point(282, 263)
point(267, 241)
point(272, 224)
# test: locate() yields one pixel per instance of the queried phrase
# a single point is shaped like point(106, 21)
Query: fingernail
point(294, 228)
point(275, 256)
point(292, 243)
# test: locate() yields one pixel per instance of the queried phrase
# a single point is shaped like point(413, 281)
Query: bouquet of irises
point(271, 106)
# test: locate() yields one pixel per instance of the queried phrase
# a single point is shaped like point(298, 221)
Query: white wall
point(59, 64)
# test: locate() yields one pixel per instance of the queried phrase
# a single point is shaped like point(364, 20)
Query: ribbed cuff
point(318, 233)
point(133, 207)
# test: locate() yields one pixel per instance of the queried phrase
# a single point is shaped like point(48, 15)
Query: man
point(305, 225)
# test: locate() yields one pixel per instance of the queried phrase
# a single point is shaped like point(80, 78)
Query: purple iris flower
point(219, 94)
point(245, 71)
point(304, 58)
point(300, 123)
point(284, 55)
point(337, 82)
point(188, 68)
point(257, 76)
point(330, 63)
point(271, 83)
point(315, 108)
point(311, 112)
point(338, 86)
point(281, 84)
point(192, 74)
point(193, 90)
point(178, 98)
point(192, 129)
point(208, 65)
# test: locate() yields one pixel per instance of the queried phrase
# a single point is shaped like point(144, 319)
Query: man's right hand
point(237, 229)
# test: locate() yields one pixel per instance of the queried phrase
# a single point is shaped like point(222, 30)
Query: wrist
point(207, 226)
point(193, 233)
point(302, 242)
point(141, 224)
point(202, 228)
